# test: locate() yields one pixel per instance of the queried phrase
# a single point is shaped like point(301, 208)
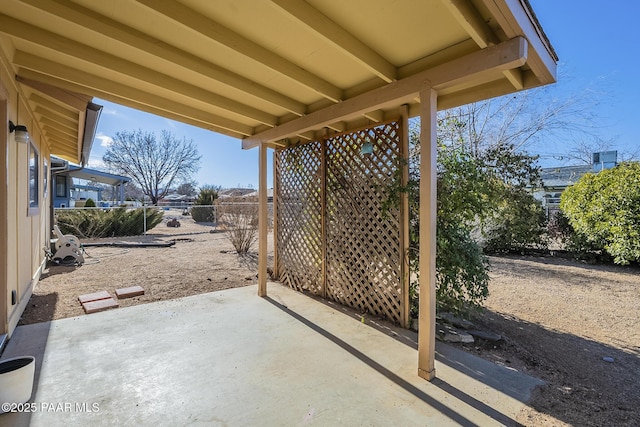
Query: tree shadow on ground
point(582, 388)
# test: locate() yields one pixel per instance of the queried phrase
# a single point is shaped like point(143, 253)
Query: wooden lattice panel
point(333, 237)
point(363, 242)
point(299, 216)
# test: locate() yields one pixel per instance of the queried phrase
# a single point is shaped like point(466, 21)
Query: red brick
point(99, 305)
point(129, 292)
point(94, 296)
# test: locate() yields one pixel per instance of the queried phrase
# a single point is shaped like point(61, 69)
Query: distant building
point(71, 184)
point(176, 200)
point(234, 192)
point(556, 180)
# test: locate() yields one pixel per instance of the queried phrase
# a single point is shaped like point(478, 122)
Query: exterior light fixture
point(367, 147)
point(22, 133)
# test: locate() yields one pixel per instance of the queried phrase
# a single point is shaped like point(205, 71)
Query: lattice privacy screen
point(333, 238)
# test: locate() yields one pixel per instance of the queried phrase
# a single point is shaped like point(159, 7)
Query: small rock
point(248, 278)
point(488, 336)
point(608, 359)
point(456, 321)
point(209, 278)
point(447, 333)
point(173, 222)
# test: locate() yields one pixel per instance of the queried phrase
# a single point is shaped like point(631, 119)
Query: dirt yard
point(201, 260)
point(559, 318)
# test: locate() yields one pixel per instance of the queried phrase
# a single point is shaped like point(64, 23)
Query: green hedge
point(114, 222)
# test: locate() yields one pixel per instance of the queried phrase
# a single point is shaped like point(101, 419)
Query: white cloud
point(96, 164)
point(109, 111)
point(105, 140)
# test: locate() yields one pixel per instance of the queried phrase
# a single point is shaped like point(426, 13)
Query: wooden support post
point(428, 177)
point(404, 218)
point(323, 212)
point(275, 215)
point(263, 221)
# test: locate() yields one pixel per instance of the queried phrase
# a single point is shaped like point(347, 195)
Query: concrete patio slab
point(231, 358)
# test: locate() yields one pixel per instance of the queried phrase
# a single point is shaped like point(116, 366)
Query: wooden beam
point(338, 126)
point(515, 77)
point(51, 106)
point(136, 98)
point(67, 145)
point(375, 116)
point(70, 129)
point(516, 20)
point(340, 38)
point(275, 216)
point(405, 241)
point(93, 21)
point(263, 220)
point(505, 56)
point(76, 101)
point(428, 210)
point(222, 35)
point(55, 132)
point(55, 116)
point(307, 136)
point(33, 34)
point(468, 16)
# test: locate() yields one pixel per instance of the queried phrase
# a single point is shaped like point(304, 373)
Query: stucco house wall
point(24, 231)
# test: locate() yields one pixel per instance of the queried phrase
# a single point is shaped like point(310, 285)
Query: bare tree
point(153, 164)
point(189, 188)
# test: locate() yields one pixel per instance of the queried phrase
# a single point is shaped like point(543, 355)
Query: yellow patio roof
point(266, 70)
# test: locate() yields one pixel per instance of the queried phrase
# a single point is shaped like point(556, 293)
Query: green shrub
point(89, 203)
point(96, 223)
point(203, 213)
point(604, 210)
point(203, 210)
point(519, 224)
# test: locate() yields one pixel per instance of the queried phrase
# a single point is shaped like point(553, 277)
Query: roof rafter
point(53, 106)
point(345, 41)
point(226, 37)
point(54, 115)
point(70, 129)
point(54, 131)
point(77, 50)
point(76, 101)
point(469, 18)
point(89, 19)
point(504, 56)
point(106, 89)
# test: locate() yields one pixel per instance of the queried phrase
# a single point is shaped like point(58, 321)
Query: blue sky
point(597, 49)
point(223, 163)
point(594, 42)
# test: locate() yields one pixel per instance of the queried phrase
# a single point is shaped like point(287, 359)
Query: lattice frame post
point(275, 218)
point(405, 272)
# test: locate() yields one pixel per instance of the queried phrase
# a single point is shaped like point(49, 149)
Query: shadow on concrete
point(30, 341)
point(418, 393)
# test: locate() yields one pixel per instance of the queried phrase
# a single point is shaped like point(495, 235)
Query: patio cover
point(278, 72)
